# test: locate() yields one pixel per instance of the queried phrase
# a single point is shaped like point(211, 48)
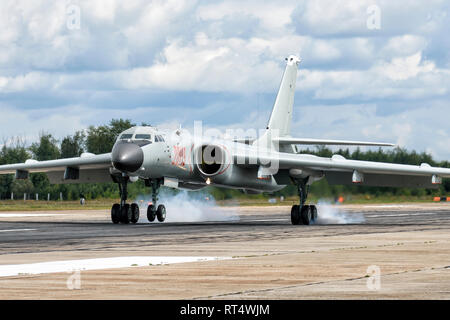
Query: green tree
point(14, 152)
point(72, 146)
point(101, 139)
point(19, 187)
point(46, 148)
point(117, 126)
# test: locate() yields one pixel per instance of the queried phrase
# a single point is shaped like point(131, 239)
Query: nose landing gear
point(153, 211)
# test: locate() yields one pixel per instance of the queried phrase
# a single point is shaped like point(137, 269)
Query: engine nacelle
point(214, 163)
point(212, 160)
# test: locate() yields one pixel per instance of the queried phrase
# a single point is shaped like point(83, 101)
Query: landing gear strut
point(154, 211)
point(124, 212)
point(301, 213)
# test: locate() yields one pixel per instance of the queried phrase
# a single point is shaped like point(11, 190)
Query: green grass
point(105, 204)
point(33, 205)
point(349, 199)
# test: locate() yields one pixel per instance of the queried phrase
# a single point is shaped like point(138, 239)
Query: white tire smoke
point(329, 214)
point(187, 206)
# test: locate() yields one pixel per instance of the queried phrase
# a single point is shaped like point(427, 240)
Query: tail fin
point(280, 120)
point(281, 116)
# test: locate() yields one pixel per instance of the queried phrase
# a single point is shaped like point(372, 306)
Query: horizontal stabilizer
point(306, 141)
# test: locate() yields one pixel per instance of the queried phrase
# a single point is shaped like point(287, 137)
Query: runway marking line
point(17, 230)
point(264, 220)
point(95, 264)
point(24, 215)
point(399, 214)
point(386, 206)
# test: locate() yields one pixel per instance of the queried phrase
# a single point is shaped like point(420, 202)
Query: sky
point(371, 70)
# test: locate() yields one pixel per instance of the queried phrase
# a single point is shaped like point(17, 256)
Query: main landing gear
point(303, 214)
point(124, 212)
point(154, 211)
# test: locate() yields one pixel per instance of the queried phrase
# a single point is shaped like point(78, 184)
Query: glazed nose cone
point(127, 157)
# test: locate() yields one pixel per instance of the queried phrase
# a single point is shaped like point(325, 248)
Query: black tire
point(115, 213)
point(125, 214)
point(161, 213)
point(134, 213)
point(306, 215)
point(314, 214)
point(151, 213)
point(295, 215)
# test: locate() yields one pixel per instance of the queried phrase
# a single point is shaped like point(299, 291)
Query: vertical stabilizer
point(280, 120)
point(281, 116)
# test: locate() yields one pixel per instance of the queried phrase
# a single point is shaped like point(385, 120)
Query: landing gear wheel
point(314, 214)
point(115, 213)
point(134, 213)
point(161, 213)
point(151, 213)
point(295, 215)
point(306, 215)
point(125, 214)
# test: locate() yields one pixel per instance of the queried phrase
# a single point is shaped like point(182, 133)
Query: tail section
point(280, 120)
point(281, 116)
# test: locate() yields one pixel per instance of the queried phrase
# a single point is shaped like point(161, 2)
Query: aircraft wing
point(307, 141)
point(339, 170)
point(87, 168)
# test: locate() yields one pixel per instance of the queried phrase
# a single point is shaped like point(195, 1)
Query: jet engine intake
point(211, 160)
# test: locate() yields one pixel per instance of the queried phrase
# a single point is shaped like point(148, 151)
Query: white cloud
point(331, 17)
point(405, 68)
point(273, 17)
point(404, 45)
point(401, 78)
point(413, 129)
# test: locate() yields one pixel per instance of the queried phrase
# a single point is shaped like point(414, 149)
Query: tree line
point(100, 139)
point(96, 139)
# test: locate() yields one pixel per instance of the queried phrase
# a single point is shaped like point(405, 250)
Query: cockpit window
point(142, 137)
point(126, 136)
point(159, 138)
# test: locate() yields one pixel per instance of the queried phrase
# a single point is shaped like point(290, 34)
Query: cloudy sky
point(65, 65)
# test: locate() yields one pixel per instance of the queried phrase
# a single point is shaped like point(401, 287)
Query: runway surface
point(257, 253)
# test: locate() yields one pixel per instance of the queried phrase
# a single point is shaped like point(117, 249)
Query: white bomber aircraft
point(266, 164)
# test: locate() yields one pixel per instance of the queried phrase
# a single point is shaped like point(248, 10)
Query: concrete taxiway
point(358, 251)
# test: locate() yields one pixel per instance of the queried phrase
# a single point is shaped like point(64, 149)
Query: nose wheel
point(154, 212)
point(159, 213)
